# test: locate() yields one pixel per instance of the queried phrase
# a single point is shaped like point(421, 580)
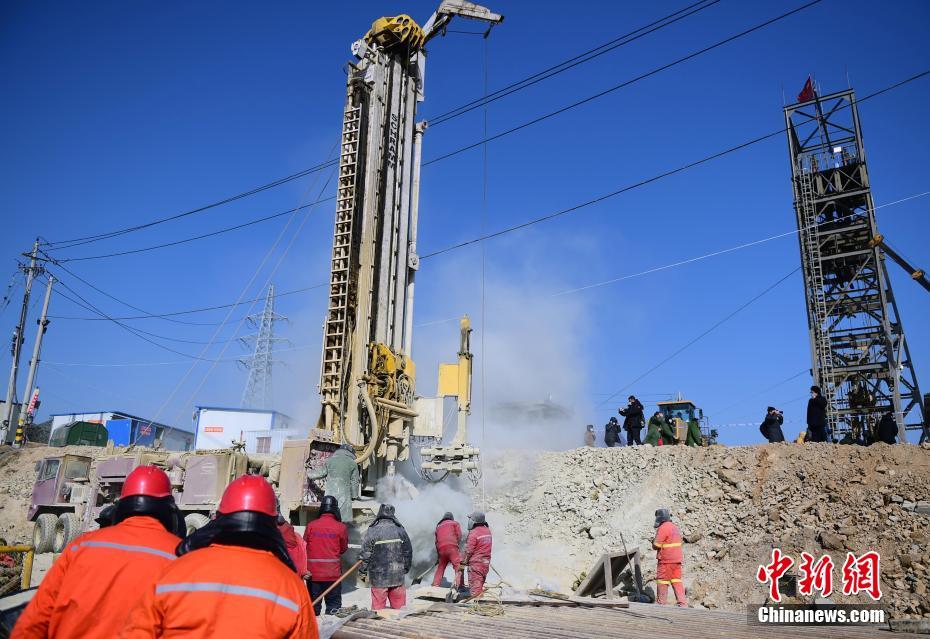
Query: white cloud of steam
point(419, 515)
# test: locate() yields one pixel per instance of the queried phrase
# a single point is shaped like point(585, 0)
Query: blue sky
point(115, 114)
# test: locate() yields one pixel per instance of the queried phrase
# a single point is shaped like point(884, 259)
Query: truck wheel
point(43, 533)
point(195, 521)
point(67, 528)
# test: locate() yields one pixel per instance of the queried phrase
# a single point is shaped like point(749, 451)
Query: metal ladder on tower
point(810, 234)
point(335, 333)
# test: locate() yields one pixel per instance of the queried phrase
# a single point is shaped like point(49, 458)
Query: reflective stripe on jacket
point(225, 591)
point(668, 544)
point(96, 581)
point(478, 546)
point(327, 538)
point(386, 553)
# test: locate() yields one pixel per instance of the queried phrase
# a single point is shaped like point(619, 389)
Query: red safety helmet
point(248, 493)
point(148, 481)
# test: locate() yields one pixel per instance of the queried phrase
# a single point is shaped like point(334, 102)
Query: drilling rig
point(367, 376)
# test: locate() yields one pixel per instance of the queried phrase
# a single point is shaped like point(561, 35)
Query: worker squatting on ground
point(93, 585)
point(669, 556)
point(232, 578)
point(341, 474)
point(477, 552)
point(386, 558)
point(327, 539)
point(296, 547)
point(633, 420)
point(448, 542)
point(660, 431)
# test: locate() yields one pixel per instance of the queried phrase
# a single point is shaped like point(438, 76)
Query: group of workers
point(476, 556)
point(137, 578)
point(659, 431)
point(246, 573)
point(818, 428)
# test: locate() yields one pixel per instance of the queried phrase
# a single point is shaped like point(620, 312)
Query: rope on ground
point(492, 608)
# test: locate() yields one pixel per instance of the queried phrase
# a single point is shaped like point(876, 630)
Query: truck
point(679, 411)
point(71, 490)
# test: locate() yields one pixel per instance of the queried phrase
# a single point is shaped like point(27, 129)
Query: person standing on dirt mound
point(612, 432)
point(386, 557)
point(633, 421)
point(93, 585)
point(669, 556)
point(816, 416)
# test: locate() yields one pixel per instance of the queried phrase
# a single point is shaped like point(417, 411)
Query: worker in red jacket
point(477, 552)
point(669, 555)
point(96, 581)
point(327, 539)
point(296, 547)
point(232, 578)
point(448, 542)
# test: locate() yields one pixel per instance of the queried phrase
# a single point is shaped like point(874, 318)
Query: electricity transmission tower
point(860, 357)
point(258, 392)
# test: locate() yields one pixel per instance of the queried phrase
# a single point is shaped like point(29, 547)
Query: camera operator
point(771, 425)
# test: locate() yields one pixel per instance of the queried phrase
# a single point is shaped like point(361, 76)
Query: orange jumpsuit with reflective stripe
point(669, 556)
point(97, 580)
point(225, 591)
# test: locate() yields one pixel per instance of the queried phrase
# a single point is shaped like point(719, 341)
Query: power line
point(575, 61)
point(104, 293)
point(196, 237)
point(170, 363)
point(89, 306)
point(704, 334)
point(516, 86)
point(652, 179)
point(724, 251)
point(63, 244)
point(191, 311)
point(616, 87)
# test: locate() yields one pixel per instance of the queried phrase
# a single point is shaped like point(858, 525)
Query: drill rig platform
point(367, 376)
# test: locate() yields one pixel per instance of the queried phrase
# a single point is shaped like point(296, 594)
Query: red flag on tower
point(807, 93)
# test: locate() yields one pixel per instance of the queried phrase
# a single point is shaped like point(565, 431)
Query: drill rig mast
point(367, 376)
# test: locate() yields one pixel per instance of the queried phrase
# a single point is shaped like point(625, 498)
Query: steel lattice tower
point(258, 391)
point(859, 355)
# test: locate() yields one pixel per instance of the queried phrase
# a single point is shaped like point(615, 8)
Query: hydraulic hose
point(375, 426)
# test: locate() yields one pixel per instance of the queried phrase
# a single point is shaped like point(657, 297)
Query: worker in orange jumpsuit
point(448, 542)
point(669, 555)
point(327, 539)
point(232, 578)
point(99, 577)
point(477, 552)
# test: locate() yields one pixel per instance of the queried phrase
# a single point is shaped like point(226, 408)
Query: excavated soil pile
point(733, 505)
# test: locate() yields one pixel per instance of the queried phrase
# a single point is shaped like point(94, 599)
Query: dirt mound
point(733, 505)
